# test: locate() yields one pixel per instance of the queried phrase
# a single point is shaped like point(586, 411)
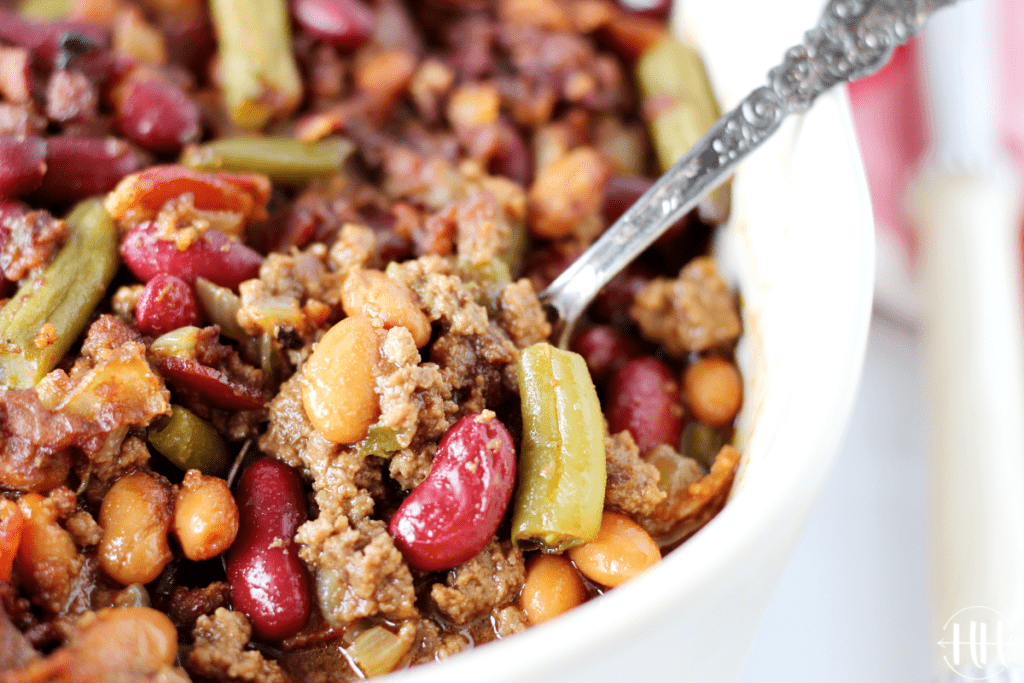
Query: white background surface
point(853, 603)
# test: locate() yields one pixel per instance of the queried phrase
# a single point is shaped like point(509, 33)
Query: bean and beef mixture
point(276, 397)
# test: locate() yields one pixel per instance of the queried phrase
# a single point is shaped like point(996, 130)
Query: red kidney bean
point(10, 208)
point(244, 193)
point(346, 24)
point(166, 304)
point(269, 583)
point(454, 513)
point(80, 45)
point(22, 164)
point(209, 383)
point(620, 193)
point(543, 265)
point(158, 116)
point(643, 397)
point(513, 159)
point(48, 40)
point(213, 255)
point(77, 168)
point(614, 300)
point(631, 34)
point(604, 349)
point(190, 41)
point(656, 9)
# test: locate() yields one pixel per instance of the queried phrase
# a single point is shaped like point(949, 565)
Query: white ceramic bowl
point(800, 246)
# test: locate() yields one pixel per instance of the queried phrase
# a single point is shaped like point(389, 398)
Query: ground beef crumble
point(481, 584)
point(632, 484)
point(694, 312)
point(88, 410)
point(27, 241)
point(358, 571)
point(478, 139)
point(219, 652)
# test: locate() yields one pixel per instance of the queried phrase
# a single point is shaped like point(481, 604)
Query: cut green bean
point(221, 306)
point(562, 468)
point(189, 441)
point(47, 314)
point(282, 159)
point(45, 10)
point(260, 79)
point(380, 441)
point(180, 343)
point(702, 443)
point(517, 245)
point(673, 81)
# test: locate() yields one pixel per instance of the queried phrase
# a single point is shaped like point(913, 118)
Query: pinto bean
point(713, 389)
point(621, 550)
point(339, 380)
point(135, 516)
point(132, 641)
point(47, 558)
point(552, 587)
point(566, 192)
point(372, 293)
point(205, 516)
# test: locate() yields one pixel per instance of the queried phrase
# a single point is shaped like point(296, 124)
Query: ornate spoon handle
point(853, 39)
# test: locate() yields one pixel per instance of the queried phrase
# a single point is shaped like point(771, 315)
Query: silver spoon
point(853, 39)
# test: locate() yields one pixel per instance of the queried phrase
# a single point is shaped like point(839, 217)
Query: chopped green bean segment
point(518, 242)
point(380, 441)
point(45, 10)
point(282, 159)
point(562, 472)
point(180, 342)
point(260, 79)
point(47, 314)
point(271, 361)
point(673, 74)
point(702, 443)
point(189, 441)
point(221, 305)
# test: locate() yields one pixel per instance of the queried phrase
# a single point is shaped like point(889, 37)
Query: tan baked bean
point(552, 586)
point(566, 192)
point(47, 558)
point(372, 293)
point(136, 516)
point(713, 390)
point(621, 550)
point(339, 380)
point(205, 516)
point(126, 640)
point(474, 104)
